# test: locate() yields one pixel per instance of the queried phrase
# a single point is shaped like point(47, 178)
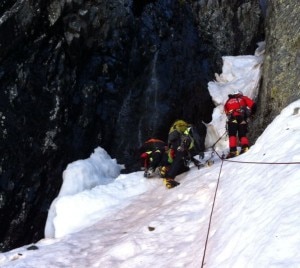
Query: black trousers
point(178, 166)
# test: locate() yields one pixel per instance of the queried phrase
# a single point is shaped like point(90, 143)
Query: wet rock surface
point(281, 72)
point(77, 74)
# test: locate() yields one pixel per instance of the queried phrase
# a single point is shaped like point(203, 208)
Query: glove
point(201, 155)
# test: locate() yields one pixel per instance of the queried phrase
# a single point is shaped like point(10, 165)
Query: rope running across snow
point(217, 186)
point(210, 217)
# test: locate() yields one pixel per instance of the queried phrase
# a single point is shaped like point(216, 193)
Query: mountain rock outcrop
point(281, 72)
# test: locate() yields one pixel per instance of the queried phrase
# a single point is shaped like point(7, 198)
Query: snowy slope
point(255, 221)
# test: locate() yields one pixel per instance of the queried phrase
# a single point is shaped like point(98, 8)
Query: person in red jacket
point(151, 154)
point(238, 108)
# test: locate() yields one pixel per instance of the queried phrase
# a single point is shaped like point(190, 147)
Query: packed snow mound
point(78, 178)
point(85, 174)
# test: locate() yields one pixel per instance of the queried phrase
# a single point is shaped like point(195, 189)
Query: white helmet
point(237, 92)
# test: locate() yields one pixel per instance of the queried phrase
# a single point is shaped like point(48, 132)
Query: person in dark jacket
point(181, 142)
point(151, 154)
point(238, 108)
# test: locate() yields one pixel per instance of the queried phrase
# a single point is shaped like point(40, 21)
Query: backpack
point(198, 140)
point(176, 131)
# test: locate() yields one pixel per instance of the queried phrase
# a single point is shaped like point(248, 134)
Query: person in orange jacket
point(238, 109)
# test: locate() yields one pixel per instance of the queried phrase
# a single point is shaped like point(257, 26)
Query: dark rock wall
point(281, 70)
point(78, 74)
point(170, 68)
point(230, 26)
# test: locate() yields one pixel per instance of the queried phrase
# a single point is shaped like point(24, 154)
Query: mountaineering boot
point(170, 183)
point(232, 154)
point(196, 162)
point(163, 171)
point(149, 173)
point(244, 149)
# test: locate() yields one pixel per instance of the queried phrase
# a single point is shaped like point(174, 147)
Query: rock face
point(78, 74)
point(281, 73)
